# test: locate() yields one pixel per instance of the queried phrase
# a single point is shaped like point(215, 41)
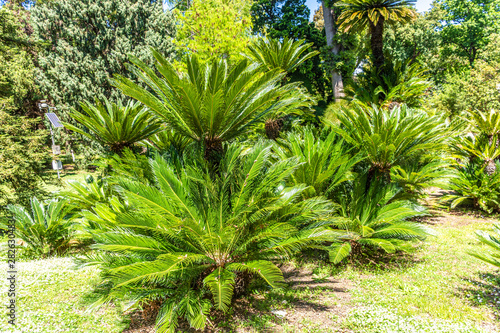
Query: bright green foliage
point(285, 55)
point(389, 138)
point(477, 20)
point(403, 83)
point(486, 151)
point(193, 235)
point(325, 163)
point(474, 187)
point(89, 41)
point(472, 90)
point(114, 126)
point(169, 141)
point(492, 241)
point(214, 29)
point(211, 103)
point(358, 15)
point(375, 220)
point(23, 156)
point(414, 177)
point(45, 228)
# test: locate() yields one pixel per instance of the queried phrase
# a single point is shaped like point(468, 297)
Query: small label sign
point(56, 150)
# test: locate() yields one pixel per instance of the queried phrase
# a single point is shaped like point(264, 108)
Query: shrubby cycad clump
point(375, 220)
point(325, 162)
point(45, 229)
point(193, 239)
point(492, 241)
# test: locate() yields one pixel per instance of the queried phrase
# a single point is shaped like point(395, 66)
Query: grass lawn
point(439, 288)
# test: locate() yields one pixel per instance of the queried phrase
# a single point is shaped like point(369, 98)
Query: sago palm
point(115, 126)
point(212, 103)
point(325, 163)
point(45, 228)
point(375, 220)
point(193, 239)
point(390, 137)
point(358, 15)
point(285, 56)
point(483, 149)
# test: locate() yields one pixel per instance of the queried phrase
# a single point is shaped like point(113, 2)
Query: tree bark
point(331, 30)
point(377, 42)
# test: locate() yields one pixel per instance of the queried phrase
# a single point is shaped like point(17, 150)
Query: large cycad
point(358, 15)
point(285, 56)
point(212, 103)
point(391, 137)
point(115, 126)
point(194, 236)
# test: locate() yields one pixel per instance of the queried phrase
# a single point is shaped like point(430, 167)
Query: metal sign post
point(54, 123)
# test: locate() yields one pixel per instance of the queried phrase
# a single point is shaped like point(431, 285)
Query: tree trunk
point(377, 42)
point(331, 30)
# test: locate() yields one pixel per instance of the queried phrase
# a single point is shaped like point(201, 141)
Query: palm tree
point(375, 220)
point(45, 228)
point(115, 126)
point(358, 15)
point(193, 235)
point(284, 56)
point(390, 137)
point(212, 103)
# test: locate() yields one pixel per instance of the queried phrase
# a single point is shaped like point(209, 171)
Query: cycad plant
point(194, 239)
point(212, 103)
point(474, 187)
point(45, 229)
point(484, 150)
point(492, 241)
point(485, 124)
point(114, 126)
point(285, 56)
point(325, 162)
point(390, 137)
point(374, 220)
point(359, 15)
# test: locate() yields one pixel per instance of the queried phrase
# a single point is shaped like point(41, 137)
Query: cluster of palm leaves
point(478, 173)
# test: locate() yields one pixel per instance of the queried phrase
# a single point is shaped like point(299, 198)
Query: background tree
point(23, 158)
point(214, 29)
point(88, 42)
point(468, 25)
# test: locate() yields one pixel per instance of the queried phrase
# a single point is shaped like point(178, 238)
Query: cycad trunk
point(273, 128)
point(213, 150)
point(331, 30)
point(377, 42)
point(491, 168)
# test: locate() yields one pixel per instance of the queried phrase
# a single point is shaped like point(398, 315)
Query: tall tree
point(467, 25)
point(330, 16)
point(88, 42)
point(358, 15)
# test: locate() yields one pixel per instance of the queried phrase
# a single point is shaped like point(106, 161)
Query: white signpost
point(54, 123)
